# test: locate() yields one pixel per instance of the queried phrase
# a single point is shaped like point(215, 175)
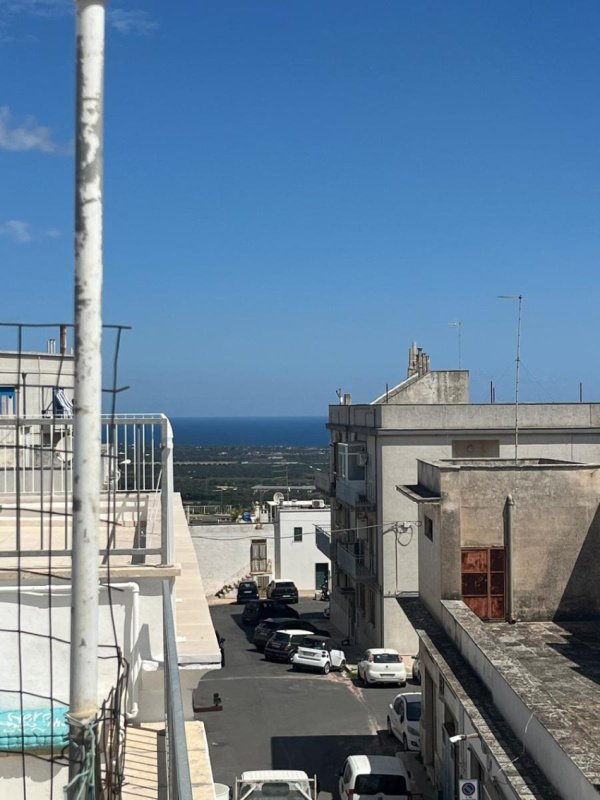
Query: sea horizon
point(263, 431)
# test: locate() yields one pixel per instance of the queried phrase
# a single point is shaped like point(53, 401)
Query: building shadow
point(324, 755)
point(581, 646)
point(581, 599)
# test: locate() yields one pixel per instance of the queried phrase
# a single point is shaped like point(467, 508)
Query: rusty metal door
point(482, 578)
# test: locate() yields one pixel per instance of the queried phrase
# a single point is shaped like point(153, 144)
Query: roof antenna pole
point(458, 326)
point(83, 698)
point(519, 298)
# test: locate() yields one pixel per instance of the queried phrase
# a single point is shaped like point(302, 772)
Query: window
point(371, 606)
point(360, 597)
point(297, 534)
point(475, 448)
point(428, 528)
point(7, 399)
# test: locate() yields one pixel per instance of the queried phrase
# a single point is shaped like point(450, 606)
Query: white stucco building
point(297, 557)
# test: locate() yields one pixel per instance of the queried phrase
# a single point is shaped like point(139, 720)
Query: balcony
point(323, 541)
point(354, 494)
point(356, 561)
point(323, 482)
point(147, 672)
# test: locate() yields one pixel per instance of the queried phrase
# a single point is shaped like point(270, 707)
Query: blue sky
point(295, 190)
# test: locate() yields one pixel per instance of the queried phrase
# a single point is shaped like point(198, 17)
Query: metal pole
point(517, 374)
point(519, 298)
point(83, 699)
point(458, 326)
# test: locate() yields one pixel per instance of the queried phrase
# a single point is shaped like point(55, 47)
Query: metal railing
point(179, 783)
point(36, 480)
point(323, 540)
point(356, 560)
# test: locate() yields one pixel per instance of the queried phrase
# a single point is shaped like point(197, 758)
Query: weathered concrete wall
point(556, 533)
point(443, 386)
point(223, 551)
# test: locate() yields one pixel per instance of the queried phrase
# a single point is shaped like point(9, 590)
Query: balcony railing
point(356, 561)
point(179, 781)
point(323, 541)
point(36, 479)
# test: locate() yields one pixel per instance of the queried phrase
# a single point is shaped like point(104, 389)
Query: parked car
point(256, 610)
point(404, 720)
point(370, 776)
point(381, 665)
point(283, 644)
point(283, 590)
point(267, 627)
point(416, 669)
point(319, 652)
point(247, 590)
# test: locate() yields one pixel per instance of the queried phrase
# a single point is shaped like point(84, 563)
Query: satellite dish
point(278, 498)
point(63, 449)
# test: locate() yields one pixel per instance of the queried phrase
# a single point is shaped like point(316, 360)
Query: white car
point(319, 652)
point(403, 721)
point(381, 665)
point(385, 777)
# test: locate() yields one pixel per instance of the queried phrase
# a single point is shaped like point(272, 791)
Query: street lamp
point(462, 737)
point(519, 299)
point(225, 489)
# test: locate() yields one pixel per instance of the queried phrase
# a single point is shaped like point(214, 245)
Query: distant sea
point(258, 431)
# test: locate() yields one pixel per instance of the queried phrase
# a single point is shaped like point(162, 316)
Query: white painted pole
point(88, 335)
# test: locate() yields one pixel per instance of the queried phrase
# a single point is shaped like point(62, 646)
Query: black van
point(256, 610)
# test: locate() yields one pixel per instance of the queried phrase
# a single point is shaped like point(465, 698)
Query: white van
point(383, 777)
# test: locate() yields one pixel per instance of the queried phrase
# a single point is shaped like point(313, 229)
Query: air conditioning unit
point(318, 503)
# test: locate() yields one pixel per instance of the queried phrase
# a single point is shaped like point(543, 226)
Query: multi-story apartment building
point(509, 626)
point(375, 447)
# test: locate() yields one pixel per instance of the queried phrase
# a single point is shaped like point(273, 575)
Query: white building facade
point(297, 557)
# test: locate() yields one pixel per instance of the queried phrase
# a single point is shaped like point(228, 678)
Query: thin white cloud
point(17, 230)
point(37, 8)
point(131, 21)
point(26, 135)
point(22, 232)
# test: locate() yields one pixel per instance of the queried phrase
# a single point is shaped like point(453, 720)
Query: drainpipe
point(83, 699)
point(508, 559)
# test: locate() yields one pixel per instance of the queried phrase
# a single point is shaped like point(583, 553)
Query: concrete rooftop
point(555, 669)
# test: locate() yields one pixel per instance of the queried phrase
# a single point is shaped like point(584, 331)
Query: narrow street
point(275, 718)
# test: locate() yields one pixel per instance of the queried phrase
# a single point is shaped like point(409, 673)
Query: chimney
point(418, 361)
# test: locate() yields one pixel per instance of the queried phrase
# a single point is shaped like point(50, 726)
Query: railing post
point(166, 494)
point(178, 767)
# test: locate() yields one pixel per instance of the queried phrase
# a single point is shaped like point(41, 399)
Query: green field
point(200, 471)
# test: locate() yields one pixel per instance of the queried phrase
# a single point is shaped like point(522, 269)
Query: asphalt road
point(275, 718)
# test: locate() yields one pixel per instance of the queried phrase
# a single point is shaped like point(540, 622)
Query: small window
point(297, 534)
point(428, 528)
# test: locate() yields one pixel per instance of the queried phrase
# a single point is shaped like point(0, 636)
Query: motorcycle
point(325, 591)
